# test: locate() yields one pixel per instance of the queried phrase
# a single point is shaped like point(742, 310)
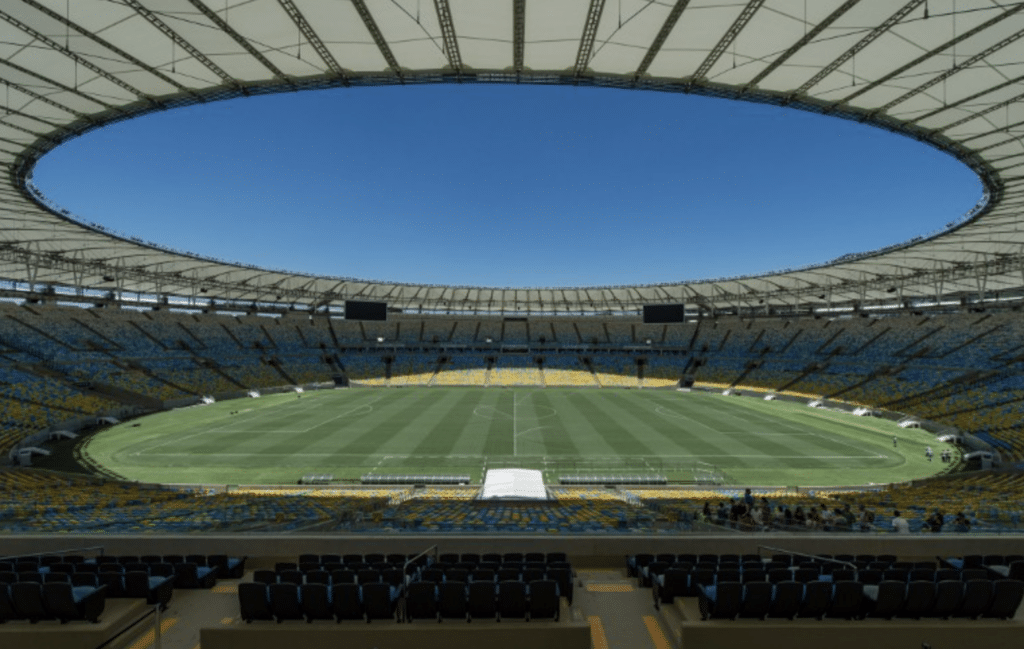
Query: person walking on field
point(894, 441)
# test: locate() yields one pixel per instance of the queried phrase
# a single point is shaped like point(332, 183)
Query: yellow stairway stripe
point(597, 637)
point(225, 589)
point(609, 588)
point(657, 635)
point(149, 638)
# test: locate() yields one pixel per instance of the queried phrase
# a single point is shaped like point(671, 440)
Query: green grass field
point(277, 439)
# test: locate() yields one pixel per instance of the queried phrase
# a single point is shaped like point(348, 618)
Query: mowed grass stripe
point(441, 438)
point(712, 444)
point(390, 415)
point(499, 432)
point(323, 429)
point(472, 439)
point(808, 439)
point(654, 430)
point(697, 439)
point(566, 428)
point(578, 429)
point(607, 420)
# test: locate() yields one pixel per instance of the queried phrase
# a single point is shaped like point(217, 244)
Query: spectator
point(706, 512)
point(899, 524)
point(799, 518)
point(961, 524)
point(935, 521)
point(748, 499)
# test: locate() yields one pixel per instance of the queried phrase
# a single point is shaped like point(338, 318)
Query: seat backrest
point(315, 601)
point(786, 599)
point(284, 601)
point(1006, 597)
point(346, 602)
point(512, 598)
point(377, 601)
point(543, 598)
point(948, 595)
point(482, 599)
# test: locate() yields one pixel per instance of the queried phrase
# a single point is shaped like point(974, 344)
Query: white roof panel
point(134, 56)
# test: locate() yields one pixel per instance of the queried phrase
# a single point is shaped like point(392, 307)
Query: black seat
point(673, 583)
point(470, 557)
point(27, 601)
point(977, 596)
point(229, 567)
point(85, 579)
point(948, 595)
point(534, 556)
point(885, 599)
point(722, 600)
point(421, 601)
point(318, 577)
point(373, 558)
point(512, 599)
point(379, 601)
point(343, 577)
point(155, 590)
point(482, 601)
point(452, 599)
point(254, 601)
point(448, 558)
point(265, 576)
point(291, 577)
point(919, 599)
point(543, 599)
point(1006, 597)
point(817, 599)
point(345, 601)
point(316, 602)
point(198, 559)
point(786, 599)
point(190, 575)
point(56, 577)
point(309, 558)
point(847, 599)
point(284, 602)
point(482, 574)
point(114, 581)
point(757, 599)
point(563, 576)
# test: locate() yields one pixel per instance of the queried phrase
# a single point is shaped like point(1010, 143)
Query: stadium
point(196, 452)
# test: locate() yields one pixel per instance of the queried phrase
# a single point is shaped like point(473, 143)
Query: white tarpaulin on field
point(513, 484)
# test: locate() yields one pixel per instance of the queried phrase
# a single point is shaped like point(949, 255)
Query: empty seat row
point(343, 601)
point(229, 566)
point(391, 576)
point(482, 600)
point(32, 601)
point(854, 600)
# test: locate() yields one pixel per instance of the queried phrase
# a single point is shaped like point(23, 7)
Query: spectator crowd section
point(46, 502)
point(60, 363)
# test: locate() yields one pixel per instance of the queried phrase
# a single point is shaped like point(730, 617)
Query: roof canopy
point(947, 73)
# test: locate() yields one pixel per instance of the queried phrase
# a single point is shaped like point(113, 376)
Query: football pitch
point(347, 433)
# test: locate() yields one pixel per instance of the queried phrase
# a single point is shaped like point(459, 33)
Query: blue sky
point(507, 185)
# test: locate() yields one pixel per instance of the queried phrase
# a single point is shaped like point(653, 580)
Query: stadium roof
point(947, 72)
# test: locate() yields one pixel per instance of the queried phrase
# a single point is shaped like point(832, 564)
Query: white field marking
point(788, 424)
point(494, 410)
point(348, 412)
point(220, 429)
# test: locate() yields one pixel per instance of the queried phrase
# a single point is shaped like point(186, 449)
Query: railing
point(809, 556)
point(58, 552)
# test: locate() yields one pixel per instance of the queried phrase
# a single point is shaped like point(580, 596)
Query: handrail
point(801, 554)
point(61, 552)
point(405, 566)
